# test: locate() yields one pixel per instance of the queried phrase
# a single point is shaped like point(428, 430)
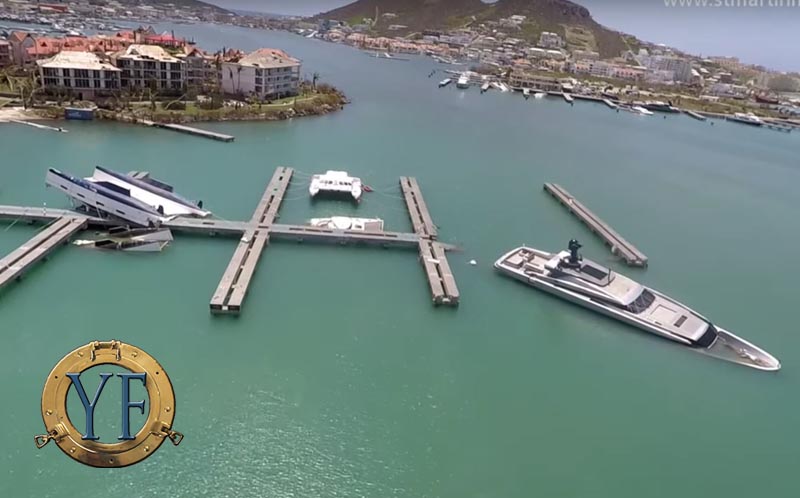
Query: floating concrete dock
point(417, 209)
point(189, 130)
point(695, 115)
point(254, 236)
point(232, 288)
point(619, 246)
point(431, 253)
point(13, 266)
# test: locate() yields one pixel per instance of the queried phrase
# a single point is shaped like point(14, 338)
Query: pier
point(254, 237)
point(694, 115)
point(619, 246)
point(189, 130)
point(13, 266)
point(232, 288)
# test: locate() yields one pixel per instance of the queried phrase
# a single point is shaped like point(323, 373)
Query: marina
point(619, 246)
point(254, 236)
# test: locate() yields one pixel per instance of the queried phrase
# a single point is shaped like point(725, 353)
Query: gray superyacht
point(567, 275)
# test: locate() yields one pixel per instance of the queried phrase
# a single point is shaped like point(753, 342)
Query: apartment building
point(150, 66)
point(84, 75)
point(266, 74)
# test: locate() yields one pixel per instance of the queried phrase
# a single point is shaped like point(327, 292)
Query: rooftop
point(147, 52)
point(76, 60)
point(268, 57)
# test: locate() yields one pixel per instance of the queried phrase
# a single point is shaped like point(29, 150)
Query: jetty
point(619, 246)
point(235, 281)
point(694, 115)
point(13, 266)
point(189, 130)
point(254, 237)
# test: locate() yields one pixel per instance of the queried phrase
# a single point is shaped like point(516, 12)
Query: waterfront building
point(681, 68)
point(150, 66)
point(266, 74)
point(522, 79)
point(82, 74)
point(5, 53)
point(550, 40)
point(201, 68)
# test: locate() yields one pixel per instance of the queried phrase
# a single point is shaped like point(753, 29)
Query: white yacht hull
point(103, 204)
point(726, 346)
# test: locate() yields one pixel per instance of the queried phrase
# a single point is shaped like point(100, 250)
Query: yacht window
point(594, 272)
point(680, 321)
point(708, 337)
point(642, 302)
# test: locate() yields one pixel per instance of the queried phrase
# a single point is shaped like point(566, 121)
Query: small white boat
point(539, 95)
point(463, 81)
point(348, 223)
point(445, 82)
point(485, 87)
point(526, 92)
point(569, 98)
point(641, 110)
point(746, 118)
point(335, 183)
point(503, 87)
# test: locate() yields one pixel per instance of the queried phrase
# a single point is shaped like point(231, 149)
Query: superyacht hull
point(726, 345)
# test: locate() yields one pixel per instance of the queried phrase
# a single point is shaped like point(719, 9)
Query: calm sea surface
point(340, 379)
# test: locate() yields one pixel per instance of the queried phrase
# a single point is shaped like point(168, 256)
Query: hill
point(571, 21)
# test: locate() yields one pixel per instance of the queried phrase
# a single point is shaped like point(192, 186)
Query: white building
point(150, 66)
point(83, 74)
point(550, 40)
point(681, 68)
point(266, 73)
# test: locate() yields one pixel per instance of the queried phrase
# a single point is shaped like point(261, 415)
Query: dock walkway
point(431, 253)
point(614, 240)
point(190, 130)
point(232, 288)
point(13, 266)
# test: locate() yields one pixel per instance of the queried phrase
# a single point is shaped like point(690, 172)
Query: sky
point(757, 31)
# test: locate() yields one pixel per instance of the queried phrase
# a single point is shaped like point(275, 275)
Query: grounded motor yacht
point(567, 275)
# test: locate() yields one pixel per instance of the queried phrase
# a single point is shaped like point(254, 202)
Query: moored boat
point(463, 81)
point(567, 275)
point(445, 82)
point(746, 118)
point(335, 183)
point(348, 223)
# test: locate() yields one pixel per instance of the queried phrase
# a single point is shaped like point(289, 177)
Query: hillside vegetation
point(570, 20)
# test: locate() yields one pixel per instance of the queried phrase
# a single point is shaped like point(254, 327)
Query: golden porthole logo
point(84, 445)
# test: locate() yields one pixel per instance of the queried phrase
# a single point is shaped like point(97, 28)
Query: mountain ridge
point(572, 21)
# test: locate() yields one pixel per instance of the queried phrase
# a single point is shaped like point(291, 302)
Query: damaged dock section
point(16, 264)
point(619, 246)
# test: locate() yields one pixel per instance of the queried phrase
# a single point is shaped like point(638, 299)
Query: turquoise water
point(341, 379)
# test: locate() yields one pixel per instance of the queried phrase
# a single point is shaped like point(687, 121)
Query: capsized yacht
point(335, 182)
point(567, 275)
